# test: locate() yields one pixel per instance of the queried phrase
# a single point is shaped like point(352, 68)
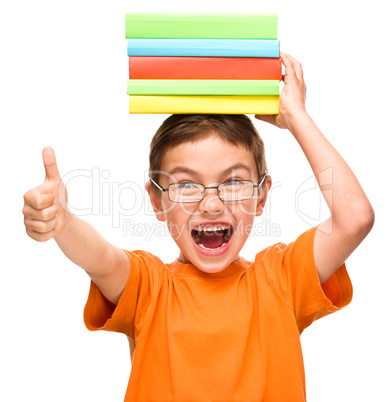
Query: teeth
point(211, 228)
point(206, 248)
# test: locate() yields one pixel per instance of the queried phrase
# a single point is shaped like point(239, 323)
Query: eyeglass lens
point(236, 191)
point(194, 192)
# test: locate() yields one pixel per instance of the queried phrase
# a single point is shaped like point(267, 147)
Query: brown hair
point(179, 128)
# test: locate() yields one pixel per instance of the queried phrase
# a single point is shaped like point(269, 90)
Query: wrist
point(298, 119)
point(65, 227)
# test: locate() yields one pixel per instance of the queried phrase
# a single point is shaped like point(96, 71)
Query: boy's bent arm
point(46, 216)
point(352, 216)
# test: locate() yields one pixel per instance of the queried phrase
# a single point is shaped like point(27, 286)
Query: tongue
point(213, 239)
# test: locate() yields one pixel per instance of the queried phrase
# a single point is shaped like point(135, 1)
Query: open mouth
point(212, 237)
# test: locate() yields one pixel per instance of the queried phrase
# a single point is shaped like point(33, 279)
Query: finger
point(287, 63)
point(45, 214)
point(37, 199)
point(268, 118)
point(50, 163)
point(296, 66)
point(40, 226)
point(41, 237)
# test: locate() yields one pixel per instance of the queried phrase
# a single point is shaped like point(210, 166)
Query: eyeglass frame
point(209, 188)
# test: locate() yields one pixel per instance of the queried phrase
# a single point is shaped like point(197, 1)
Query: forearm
point(84, 246)
point(352, 215)
point(342, 192)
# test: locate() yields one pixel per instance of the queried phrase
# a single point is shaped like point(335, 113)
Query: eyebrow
point(183, 169)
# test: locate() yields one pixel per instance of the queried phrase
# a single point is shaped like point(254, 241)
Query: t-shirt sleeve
point(101, 314)
point(293, 271)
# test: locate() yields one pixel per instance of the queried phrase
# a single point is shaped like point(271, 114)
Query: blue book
point(204, 47)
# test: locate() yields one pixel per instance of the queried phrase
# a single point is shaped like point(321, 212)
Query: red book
point(213, 68)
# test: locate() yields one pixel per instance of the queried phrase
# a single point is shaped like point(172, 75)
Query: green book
point(201, 26)
point(203, 87)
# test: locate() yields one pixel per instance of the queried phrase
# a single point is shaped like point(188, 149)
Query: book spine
point(215, 68)
point(203, 87)
point(204, 47)
point(201, 26)
point(204, 104)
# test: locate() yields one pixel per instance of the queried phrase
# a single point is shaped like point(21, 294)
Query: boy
point(212, 326)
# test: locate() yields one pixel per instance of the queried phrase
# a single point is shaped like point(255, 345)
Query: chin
point(213, 263)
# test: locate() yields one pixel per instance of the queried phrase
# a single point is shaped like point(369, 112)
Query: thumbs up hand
point(45, 207)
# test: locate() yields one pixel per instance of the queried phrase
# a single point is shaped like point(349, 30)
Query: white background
point(63, 83)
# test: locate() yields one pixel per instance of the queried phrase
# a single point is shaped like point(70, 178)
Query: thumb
point(268, 118)
point(49, 161)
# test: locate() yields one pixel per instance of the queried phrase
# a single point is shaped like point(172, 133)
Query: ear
point(156, 203)
point(263, 190)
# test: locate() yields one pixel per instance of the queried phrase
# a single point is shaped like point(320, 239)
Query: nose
point(211, 202)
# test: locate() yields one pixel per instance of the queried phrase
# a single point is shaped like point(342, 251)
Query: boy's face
point(209, 161)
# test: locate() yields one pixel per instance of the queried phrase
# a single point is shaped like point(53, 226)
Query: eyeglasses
point(231, 190)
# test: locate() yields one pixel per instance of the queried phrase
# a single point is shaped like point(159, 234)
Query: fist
point(45, 207)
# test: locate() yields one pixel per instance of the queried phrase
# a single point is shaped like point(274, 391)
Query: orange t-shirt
point(229, 336)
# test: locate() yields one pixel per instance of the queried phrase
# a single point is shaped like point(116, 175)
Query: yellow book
point(204, 104)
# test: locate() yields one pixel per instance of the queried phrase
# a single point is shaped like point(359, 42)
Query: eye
point(186, 185)
point(233, 181)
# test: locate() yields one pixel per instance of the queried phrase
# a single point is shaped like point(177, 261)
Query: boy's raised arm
point(46, 216)
point(352, 216)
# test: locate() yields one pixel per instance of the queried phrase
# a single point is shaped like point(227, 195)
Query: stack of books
point(203, 63)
